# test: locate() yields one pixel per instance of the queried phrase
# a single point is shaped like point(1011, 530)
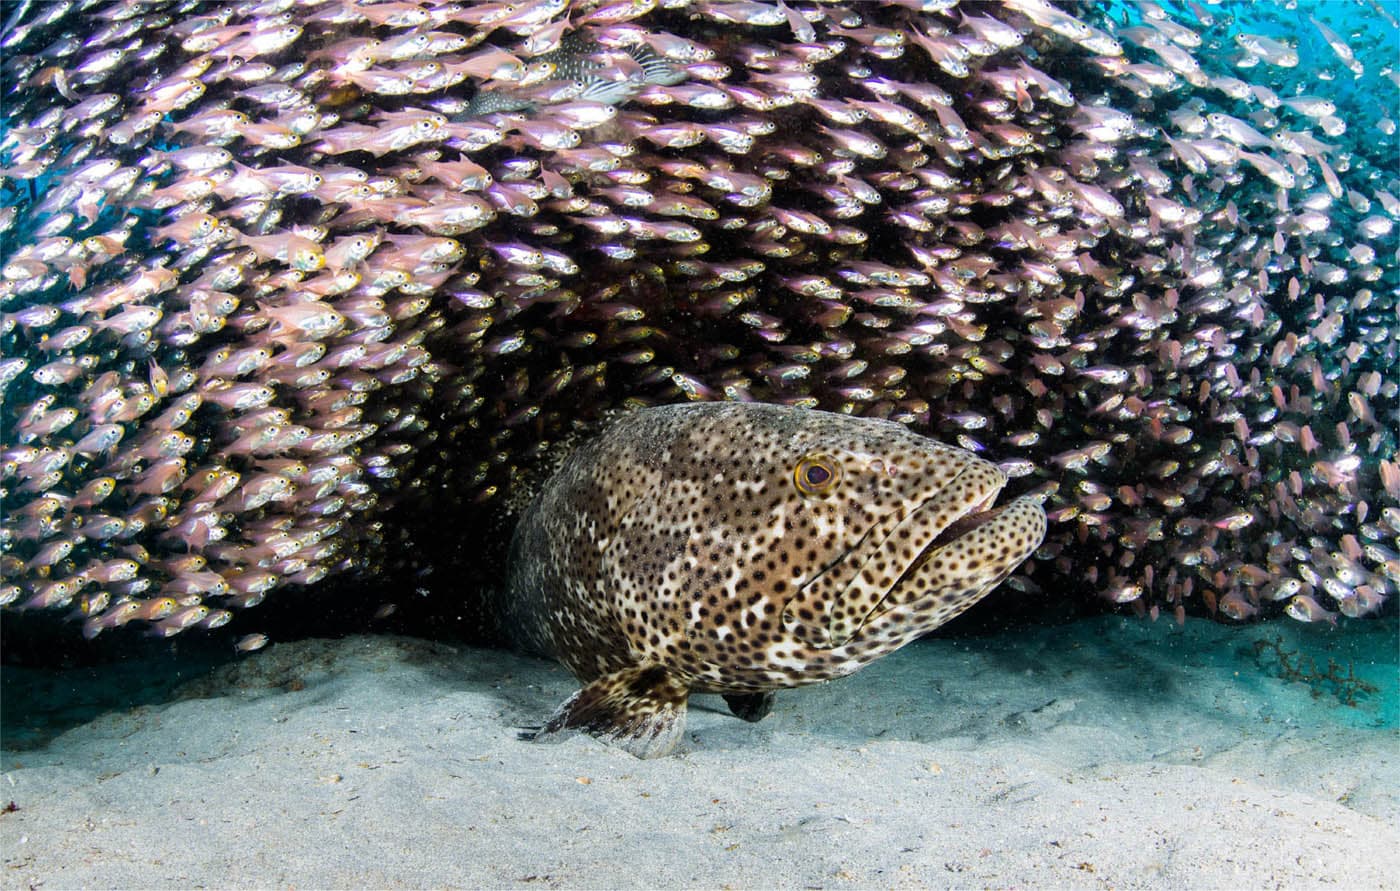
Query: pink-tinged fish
point(1306, 609)
point(1364, 600)
point(993, 31)
point(141, 285)
point(946, 52)
point(36, 316)
point(410, 131)
point(251, 642)
point(57, 373)
point(425, 249)
point(46, 423)
point(239, 363)
point(462, 175)
point(119, 614)
point(194, 581)
point(1271, 169)
point(270, 134)
point(1271, 51)
point(51, 553)
point(488, 65)
point(213, 124)
point(101, 438)
point(672, 135)
point(855, 142)
point(452, 217)
point(123, 410)
point(1234, 605)
point(180, 620)
point(1235, 520)
point(162, 477)
point(160, 444)
point(132, 319)
point(299, 253)
point(217, 619)
point(217, 484)
point(237, 397)
point(157, 608)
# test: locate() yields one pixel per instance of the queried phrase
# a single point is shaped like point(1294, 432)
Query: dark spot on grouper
point(742, 548)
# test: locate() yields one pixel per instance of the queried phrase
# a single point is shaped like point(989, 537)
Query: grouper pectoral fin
point(640, 709)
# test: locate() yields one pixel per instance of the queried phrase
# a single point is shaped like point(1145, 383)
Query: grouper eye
point(815, 474)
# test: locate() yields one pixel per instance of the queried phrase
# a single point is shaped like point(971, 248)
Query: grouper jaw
point(965, 562)
point(938, 532)
point(843, 596)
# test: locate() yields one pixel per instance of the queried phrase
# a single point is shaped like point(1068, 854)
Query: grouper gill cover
point(303, 301)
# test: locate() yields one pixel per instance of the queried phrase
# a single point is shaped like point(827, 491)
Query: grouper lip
point(955, 530)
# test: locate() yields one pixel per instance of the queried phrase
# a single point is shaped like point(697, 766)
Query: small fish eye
point(815, 474)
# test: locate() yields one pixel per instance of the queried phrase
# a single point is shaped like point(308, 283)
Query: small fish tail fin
point(640, 709)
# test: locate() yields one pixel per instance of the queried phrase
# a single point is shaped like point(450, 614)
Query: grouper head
point(888, 533)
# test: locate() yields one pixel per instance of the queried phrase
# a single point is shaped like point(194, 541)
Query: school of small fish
point(290, 287)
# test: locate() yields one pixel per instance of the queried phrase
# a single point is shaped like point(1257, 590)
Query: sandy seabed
point(1105, 755)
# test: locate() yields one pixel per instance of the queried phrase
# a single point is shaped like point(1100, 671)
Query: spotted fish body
point(572, 62)
point(742, 548)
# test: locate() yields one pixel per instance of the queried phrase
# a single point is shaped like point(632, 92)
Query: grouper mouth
point(898, 555)
point(956, 530)
point(962, 564)
point(908, 586)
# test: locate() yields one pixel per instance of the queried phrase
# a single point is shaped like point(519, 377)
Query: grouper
point(741, 548)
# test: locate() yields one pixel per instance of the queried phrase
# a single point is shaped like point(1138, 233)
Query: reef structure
point(289, 287)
